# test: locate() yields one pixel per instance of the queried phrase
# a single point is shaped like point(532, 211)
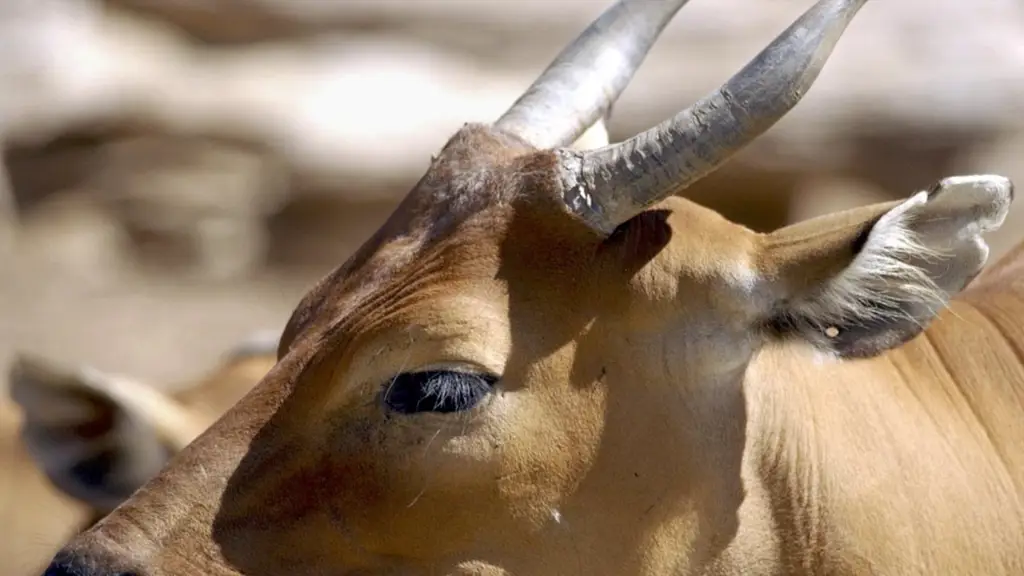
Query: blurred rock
point(201, 199)
point(73, 236)
point(374, 105)
point(8, 219)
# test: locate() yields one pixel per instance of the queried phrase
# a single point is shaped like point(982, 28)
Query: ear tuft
point(884, 283)
point(907, 262)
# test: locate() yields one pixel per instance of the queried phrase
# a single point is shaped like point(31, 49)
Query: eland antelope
point(76, 442)
point(547, 363)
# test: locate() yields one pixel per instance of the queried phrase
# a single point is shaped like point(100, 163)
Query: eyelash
point(439, 391)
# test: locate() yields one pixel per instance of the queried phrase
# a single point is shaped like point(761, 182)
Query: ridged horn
point(608, 186)
point(586, 78)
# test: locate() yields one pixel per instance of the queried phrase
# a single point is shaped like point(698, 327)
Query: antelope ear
point(98, 437)
point(861, 282)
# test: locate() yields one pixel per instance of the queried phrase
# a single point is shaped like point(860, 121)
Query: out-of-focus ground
point(179, 173)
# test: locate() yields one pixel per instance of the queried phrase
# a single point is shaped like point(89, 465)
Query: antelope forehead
point(453, 329)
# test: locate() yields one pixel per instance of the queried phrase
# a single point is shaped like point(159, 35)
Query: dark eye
point(436, 391)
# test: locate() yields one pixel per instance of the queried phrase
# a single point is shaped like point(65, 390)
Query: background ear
point(858, 283)
point(98, 437)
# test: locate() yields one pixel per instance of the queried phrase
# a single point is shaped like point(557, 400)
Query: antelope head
point(535, 366)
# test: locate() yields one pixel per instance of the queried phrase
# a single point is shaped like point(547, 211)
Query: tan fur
point(37, 515)
point(663, 406)
point(907, 464)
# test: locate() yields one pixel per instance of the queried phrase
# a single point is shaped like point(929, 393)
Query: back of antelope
point(544, 363)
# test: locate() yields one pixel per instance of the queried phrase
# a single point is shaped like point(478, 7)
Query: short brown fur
point(667, 402)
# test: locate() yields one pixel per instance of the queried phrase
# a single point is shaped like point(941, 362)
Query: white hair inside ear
point(907, 262)
point(922, 250)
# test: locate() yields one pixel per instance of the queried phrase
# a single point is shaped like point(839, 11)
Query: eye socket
point(441, 391)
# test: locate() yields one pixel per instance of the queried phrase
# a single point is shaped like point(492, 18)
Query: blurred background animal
point(77, 441)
